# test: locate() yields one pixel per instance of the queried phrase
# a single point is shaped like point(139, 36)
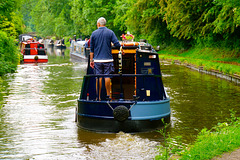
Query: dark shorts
point(104, 68)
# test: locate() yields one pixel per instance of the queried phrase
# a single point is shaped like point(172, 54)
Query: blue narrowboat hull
point(135, 101)
point(143, 116)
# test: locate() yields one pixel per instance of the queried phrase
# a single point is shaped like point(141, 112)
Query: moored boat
point(49, 43)
point(59, 44)
point(33, 52)
point(138, 101)
point(78, 51)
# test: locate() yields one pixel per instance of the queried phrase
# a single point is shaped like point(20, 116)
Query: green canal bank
point(220, 141)
point(226, 62)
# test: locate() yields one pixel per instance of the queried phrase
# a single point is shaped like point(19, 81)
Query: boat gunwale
point(126, 101)
point(146, 118)
point(41, 49)
point(123, 75)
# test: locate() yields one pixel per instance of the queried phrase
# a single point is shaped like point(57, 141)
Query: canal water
point(37, 106)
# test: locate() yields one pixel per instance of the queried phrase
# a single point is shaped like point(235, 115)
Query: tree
point(10, 19)
point(7, 26)
point(228, 17)
point(143, 19)
point(52, 17)
point(9, 57)
point(185, 18)
point(7, 7)
point(85, 15)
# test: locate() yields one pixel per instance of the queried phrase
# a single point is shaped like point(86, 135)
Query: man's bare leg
point(108, 86)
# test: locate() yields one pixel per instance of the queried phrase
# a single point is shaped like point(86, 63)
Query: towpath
point(234, 155)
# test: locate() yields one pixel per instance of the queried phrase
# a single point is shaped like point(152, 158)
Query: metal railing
point(141, 84)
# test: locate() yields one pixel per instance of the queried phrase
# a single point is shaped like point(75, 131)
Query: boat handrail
point(126, 47)
point(36, 49)
point(141, 86)
point(123, 75)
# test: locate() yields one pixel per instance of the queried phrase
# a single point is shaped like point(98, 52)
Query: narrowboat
point(78, 51)
point(138, 100)
point(33, 52)
point(24, 37)
point(59, 44)
point(49, 43)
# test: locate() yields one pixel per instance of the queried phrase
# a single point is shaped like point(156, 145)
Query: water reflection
point(37, 120)
point(56, 51)
point(38, 113)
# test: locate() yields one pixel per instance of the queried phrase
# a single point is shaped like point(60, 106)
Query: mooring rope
point(132, 106)
point(128, 109)
point(109, 105)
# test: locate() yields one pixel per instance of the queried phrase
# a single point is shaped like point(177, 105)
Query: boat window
point(152, 56)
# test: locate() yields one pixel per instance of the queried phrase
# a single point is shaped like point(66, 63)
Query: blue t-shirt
point(100, 43)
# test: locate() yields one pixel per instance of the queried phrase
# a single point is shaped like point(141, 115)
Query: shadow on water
point(37, 117)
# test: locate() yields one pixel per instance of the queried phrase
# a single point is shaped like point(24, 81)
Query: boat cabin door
point(124, 87)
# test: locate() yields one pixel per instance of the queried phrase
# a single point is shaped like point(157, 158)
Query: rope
point(109, 105)
point(129, 108)
point(132, 105)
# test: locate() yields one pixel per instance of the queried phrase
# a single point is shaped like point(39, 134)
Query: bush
point(67, 43)
point(9, 57)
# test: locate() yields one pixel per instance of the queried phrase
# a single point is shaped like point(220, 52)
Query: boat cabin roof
point(138, 58)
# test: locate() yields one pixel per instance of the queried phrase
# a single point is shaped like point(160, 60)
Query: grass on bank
point(227, 62)
point(222, 138)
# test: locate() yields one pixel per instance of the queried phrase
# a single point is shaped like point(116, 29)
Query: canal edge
point(232, 78)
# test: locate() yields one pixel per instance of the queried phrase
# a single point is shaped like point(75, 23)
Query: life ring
point(121, 113)
point(36, 58)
